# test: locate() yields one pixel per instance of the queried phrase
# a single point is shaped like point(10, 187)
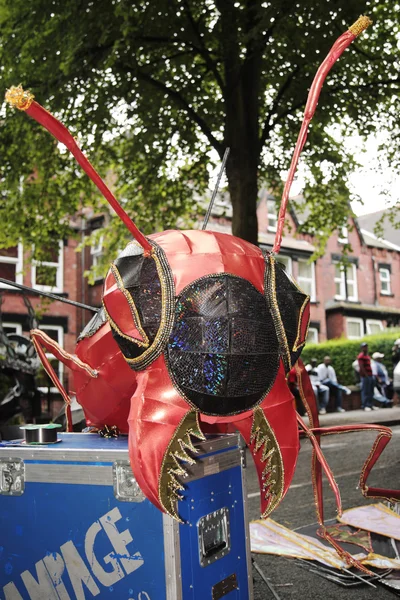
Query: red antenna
point(335, 52)
point(23, 100)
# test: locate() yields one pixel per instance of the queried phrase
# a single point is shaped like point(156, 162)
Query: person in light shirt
point(382, 379)
point(327, 376)
point(321, 391)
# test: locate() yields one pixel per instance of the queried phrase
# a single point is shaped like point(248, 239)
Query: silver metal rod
point(25, 288)
point(215, 189)
point(265, 580)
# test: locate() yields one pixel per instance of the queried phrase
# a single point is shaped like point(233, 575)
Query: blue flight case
point(74, 525)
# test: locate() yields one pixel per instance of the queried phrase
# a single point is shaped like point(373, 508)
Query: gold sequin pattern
point(169, 485)
point(263, 440)
point(19, 98)
point(360, 25)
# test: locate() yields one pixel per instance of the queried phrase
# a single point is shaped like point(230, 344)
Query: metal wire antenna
point(208, 213)
point(25, 288)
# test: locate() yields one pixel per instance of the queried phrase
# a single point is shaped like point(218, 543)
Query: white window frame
point(272, 215)
point(287, 261)
point(300, 279)
point(19, 264)
point(370, 322)
point(385, 280)
point(59, 287)
point(314, 334)
point(354, 320)
point(96, 252)
point(342, 282)
point(343, 237)
point(50, 356)
point(17, 326)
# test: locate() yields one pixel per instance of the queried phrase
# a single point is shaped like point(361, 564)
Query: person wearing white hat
point(381, 375)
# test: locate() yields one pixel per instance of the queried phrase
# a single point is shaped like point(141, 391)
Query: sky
point(369, 183)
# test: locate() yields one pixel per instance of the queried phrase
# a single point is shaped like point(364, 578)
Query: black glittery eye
point(223, 351)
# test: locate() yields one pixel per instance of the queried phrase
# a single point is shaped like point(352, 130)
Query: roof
point(372, 240)
point(391, 235)
point(333, 305)
point(268, 239)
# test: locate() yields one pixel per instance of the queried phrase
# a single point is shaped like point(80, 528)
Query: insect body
point(199, 330)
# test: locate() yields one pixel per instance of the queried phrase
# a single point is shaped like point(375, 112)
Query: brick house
point(364, 298)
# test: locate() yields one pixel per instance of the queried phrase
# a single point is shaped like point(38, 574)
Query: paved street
point(345, 454)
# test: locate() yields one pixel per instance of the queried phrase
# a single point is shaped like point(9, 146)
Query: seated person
point(327, 376)
point(321, 391)
point(383, 389)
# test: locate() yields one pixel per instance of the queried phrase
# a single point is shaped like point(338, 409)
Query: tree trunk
point(242, 98)
point(243, 190)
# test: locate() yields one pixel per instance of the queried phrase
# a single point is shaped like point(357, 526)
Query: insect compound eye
point(290, 307)
point(139, 303)
point(223, 353)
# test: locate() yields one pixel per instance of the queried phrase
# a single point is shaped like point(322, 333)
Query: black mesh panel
point(141, 280)
point(223, 351)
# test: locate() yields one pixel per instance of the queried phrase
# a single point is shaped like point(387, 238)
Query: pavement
point(345, 455)
point(383, 416)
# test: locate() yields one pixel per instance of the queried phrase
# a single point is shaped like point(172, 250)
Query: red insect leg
point(40, 341)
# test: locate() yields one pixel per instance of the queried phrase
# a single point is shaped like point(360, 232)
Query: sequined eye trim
point(167, 312)
point(270, 292)
point(298, 343)
point(147, 350)
point(144, 342)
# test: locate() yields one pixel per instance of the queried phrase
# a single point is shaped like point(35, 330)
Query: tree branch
point(182, 103)
point(267, 123)
point(202, 49)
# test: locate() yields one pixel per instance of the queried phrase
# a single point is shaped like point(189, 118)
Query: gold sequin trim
point(169, 485)
point(270, 292)
point(360, 25)
point(136, 319)
point(263, 439)
point(297, 343)
point(17, 97)
point(167, 315)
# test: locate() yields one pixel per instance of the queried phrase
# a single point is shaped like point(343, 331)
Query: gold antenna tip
point(359, 26)
point(17, 97)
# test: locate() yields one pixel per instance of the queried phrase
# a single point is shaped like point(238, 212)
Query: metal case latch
point(12, 476)
point(126, 488)
point(214, 536)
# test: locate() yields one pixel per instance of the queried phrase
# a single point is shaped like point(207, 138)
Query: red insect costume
point(199, 329)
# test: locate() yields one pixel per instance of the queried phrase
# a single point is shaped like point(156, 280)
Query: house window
point(11, 263)
point(384, 276)
point(96, 252)
point(355, 328)
point(306, 278)
point(287, 262)
point(312, 336)
point(272, 216)
point(12, 328)
point(374, 326)
point(48, 275)
point(343, 235)
point(346, 274)
point(56, 333)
